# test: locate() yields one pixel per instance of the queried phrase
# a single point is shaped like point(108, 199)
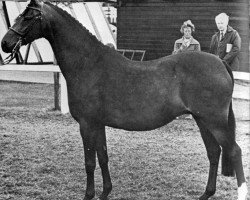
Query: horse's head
point(27, 28)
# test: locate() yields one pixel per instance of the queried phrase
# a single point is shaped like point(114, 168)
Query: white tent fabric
point(102, 27)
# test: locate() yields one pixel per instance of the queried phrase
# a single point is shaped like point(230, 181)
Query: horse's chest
point(84, 102)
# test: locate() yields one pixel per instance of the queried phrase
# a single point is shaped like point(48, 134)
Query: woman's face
point(187, 32)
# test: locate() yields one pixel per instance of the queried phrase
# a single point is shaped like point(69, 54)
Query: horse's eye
point(17, 18)
point(28, 17)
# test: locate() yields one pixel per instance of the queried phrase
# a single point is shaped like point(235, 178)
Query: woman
point(187, 42)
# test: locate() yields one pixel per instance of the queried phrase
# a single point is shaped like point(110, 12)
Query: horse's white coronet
point(242, 191)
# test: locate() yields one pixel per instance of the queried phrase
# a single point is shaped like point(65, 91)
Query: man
point(226, 43)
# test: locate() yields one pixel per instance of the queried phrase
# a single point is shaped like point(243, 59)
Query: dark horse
point(106, 89)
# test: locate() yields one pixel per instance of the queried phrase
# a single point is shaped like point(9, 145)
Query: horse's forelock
point(36, 2)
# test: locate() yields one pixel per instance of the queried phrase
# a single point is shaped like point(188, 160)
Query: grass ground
point(41, 154)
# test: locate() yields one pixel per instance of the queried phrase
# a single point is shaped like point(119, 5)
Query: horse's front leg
point(88, 132)
point(101, 147)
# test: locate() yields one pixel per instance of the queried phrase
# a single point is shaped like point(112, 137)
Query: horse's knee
point(90, 167)
point(103, 161)
point(103, 156)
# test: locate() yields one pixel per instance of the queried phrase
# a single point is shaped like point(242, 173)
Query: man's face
point(221, 24)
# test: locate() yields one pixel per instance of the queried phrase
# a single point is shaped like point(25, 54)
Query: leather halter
point(36, 18)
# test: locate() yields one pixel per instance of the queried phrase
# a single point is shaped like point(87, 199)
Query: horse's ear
point(35, 2)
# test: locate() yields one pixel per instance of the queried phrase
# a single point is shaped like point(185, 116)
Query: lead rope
point(14, 52)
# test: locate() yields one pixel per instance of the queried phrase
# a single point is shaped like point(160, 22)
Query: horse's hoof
point(204, 197)
point(102, 198)
point(106, 192)
point(207, 194)
point(89, 197)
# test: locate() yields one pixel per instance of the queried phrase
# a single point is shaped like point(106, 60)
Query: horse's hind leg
point(102, 155)
point(224, 134)
point(213, 153)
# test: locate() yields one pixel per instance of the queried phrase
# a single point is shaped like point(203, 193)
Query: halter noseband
point(22, 35)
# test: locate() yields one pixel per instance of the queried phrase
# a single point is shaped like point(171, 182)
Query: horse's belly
point(139, 121)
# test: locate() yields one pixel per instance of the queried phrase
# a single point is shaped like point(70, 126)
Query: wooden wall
point(154, 25)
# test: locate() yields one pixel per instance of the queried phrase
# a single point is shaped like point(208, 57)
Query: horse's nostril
point(3, 43)
point(4, 46)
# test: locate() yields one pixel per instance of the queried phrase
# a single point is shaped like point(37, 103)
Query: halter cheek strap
point(37, 17)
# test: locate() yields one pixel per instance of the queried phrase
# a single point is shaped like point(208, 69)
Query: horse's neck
point(71, 43)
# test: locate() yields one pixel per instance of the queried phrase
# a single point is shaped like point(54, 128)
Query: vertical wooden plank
point(64, 95)
point(27, 54)
point(56, 91)
point(36, 50)
point(57, 88)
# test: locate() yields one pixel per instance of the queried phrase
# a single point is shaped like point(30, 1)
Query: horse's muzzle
point(5, 47)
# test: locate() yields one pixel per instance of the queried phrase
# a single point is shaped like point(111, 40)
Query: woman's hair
point(186, 24)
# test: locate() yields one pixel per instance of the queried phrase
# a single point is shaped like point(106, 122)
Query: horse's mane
point(73, 20)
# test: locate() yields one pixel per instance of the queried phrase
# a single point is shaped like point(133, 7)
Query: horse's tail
point(227, 166)
point(229, 70)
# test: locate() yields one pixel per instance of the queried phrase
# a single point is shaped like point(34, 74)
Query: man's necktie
point(221, 35)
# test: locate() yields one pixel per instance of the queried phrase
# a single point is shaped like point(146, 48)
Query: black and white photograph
point(125, 100)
